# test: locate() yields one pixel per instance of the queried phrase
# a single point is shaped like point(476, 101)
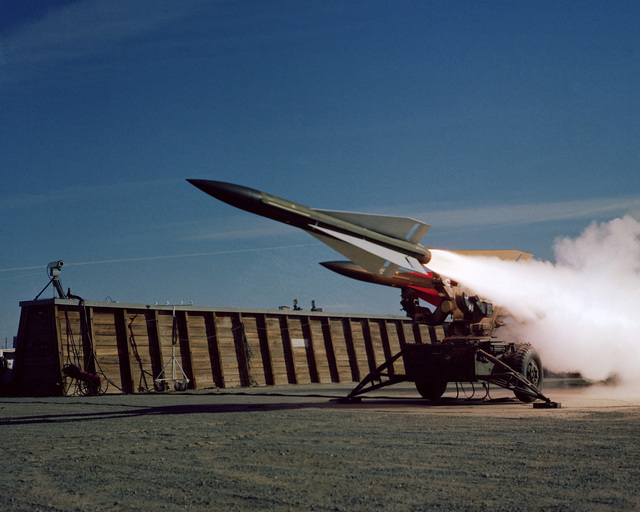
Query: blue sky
point(502, 124)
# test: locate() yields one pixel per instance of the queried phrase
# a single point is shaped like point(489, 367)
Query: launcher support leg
point(510, 379)
point(375, 380)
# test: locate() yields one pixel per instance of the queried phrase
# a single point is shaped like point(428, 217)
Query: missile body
point(379, 243)
point(427, 286)
point(398, 280)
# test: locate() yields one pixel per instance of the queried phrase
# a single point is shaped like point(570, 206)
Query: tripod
point(179, 384)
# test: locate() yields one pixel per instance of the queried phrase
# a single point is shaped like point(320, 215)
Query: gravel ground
point(292, 448)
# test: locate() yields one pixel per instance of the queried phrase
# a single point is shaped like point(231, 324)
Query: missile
point(399, 280)
point(428, 286)
point(378, 243)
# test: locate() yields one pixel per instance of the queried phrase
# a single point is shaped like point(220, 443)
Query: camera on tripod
point(54, 268)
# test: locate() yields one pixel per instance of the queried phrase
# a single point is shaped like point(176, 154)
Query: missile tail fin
point(401, 228)
point(366, 260)
point(368, 255)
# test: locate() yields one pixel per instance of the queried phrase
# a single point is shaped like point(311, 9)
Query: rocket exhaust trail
point(581, 312)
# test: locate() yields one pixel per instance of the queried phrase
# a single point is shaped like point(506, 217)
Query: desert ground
point(295, 448)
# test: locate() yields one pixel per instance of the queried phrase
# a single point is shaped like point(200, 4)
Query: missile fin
point(390, 270)
point(366, 260)
point(358, 246)
point(402, 228)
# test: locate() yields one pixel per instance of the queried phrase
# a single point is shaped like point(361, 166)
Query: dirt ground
point(292, 448)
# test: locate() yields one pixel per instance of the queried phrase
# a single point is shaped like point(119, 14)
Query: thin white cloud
point(256, 231)
point(84, 29)
point(231, 226)
point(530, 213)
point(21, 200)
point(163, 257)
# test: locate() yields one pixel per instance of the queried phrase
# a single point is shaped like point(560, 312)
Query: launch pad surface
point(285, 448)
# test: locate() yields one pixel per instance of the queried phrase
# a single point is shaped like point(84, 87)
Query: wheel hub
point(533, 373)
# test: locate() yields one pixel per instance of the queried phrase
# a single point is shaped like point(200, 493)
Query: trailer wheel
point(431, 390)
point(160, 386)
point(526, 361)
point(180, 385)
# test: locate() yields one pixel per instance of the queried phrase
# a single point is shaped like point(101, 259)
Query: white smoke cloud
point(582, 313)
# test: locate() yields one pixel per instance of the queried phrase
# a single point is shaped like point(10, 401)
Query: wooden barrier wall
point(129, 344)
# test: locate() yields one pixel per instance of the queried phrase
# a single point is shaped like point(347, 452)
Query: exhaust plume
point(581, 313)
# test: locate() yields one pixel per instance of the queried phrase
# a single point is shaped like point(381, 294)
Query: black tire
point(180, 385)
point(525, 360)
point(160, 386)
point(431, 390)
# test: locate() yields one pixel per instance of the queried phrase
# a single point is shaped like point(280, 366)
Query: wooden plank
point(397, 335)
point(372, 360)
point(359, 349)
point(265, 353)
point(186, 360)
point(141, 330)
point(307, 335)
point(378, 342)
point(54, 341)
point(383, 330)
point(323, 360)
point(255, 366)
point(287, 349)
point(227, 345)
point(299, 350)
point(105, 343)
point(201, 367)
point(279, 364)
point(87, 338)
point(70, 337)
point(341, 350)
point(240, 343)
point(19, 373)
point(217, 371)
point(124, 351)
point(391, 343)
point(405, 333)
point(58, 340)
point(329, 349)
point(156, 344)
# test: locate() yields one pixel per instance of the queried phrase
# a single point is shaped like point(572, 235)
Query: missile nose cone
point(339, 266)
point(345, 268)
point(235, 195)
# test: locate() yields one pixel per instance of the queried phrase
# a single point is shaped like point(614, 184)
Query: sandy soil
point(292, 448)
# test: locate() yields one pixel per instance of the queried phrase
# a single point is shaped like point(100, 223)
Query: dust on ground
point(293, 448)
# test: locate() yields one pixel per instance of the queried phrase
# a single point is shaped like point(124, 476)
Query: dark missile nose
point(235, 195)
point(346, 268)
